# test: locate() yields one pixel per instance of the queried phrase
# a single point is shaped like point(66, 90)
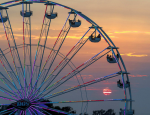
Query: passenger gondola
point(26, 13)
point(120, 85)
point(95, 38)
point(4, 18)
point(51, 15)
point(74, 23)
point(111, 58)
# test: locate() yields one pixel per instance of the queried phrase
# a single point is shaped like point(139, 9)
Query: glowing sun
point(107, 91)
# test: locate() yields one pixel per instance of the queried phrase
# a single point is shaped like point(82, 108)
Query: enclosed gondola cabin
point(26, 12)
point(112, 59)
point(51, 15)
point(95, 39)
point(120, 85)
point(74, 23)
point(128, 112)
point(2, 17)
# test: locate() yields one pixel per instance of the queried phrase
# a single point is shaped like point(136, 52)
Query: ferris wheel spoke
point(7, 37)
point(41, 110)
point(45, 30)
point(77, 79)
point(82, 85)
point(29, 111)
point(46, 112)
point(82, 101)
point(75, 71)
point(34, 113)
point(8, 94)
point(66, 60)
point(13, 112)
point(14, 94)
point(37, 110)
point(7, 63)
point(20, 112)
point(26, 14)
point(4, 104)
point(9, 32)
point(30, 83)
point(61, 37)
point(9, 28)
point(7, 98)
point(79, 86)
point(24, 47)
point(10, 78)
point(6, 80)
point(42, 74)
point(4, 112)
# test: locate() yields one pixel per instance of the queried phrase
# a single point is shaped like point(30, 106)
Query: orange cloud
point(75, 37)
point(138, 75)
point(113, 37)
point(131, 55)
point(20, 29)
point(33, 36)
point(2, 37)
point(37, 37)
point(126, 32)
point(50, 37)
point(147, 32)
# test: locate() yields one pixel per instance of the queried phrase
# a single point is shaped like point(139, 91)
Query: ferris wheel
point(27, 80)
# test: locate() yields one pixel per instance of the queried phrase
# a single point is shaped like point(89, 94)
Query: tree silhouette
point(47, 104)
point(67, 109)
point(103, 112)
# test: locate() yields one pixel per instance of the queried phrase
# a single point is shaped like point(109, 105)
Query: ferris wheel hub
point(22, 104)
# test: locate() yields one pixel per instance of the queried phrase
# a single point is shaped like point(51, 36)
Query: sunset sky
point(127, 22)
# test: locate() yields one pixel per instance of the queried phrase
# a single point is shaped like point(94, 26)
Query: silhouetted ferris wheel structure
point(25, 82)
